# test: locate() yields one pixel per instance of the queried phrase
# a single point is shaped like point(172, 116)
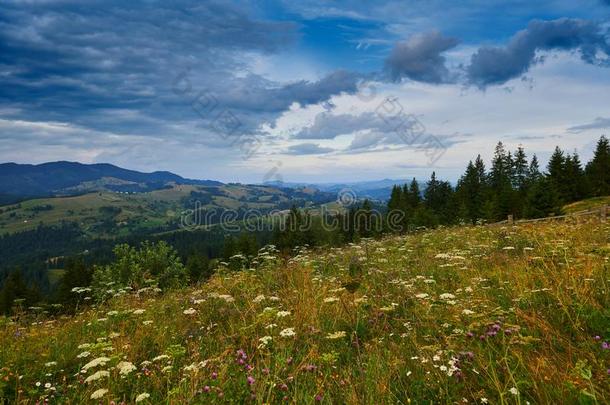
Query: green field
point(501, 315)
point(118, 214)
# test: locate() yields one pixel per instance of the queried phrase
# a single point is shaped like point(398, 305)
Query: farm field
point(110, 214)
point(456, 315)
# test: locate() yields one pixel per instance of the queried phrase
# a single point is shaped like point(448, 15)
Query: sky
point(301, 91)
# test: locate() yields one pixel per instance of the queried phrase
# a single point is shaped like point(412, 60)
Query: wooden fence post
point(603, 213)
point(510, 219)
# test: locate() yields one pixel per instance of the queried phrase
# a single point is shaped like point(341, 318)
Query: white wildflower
point(288, 332)
point(264, 341)
point(96, 376)
point(336, 335)
point(142, 397)
point(100, 361)
point(125, 367)
point(161, 357)
point(99, 393)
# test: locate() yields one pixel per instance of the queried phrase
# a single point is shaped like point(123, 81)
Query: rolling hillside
point(65, 178)
point(497, 315)
point(106, 213)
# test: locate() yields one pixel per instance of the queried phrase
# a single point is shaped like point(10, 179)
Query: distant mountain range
point(68, 178)
point(373, 189)
point(25, 181)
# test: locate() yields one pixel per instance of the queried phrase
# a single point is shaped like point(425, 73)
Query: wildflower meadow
point(476, 314)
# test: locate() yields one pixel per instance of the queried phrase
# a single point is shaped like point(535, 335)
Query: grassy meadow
point(136, 212)
point(499, 315)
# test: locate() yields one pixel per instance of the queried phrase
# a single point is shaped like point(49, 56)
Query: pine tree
point(471, 191)
point(466, 191)
point(520, 169)
point(542, 200)
point(560, 179)
point(533, 172)
point(431, 192)
point(575, 177)
point(414, 193)
point(395, 197)
point(499, 176)
point(438, 198)
point(598, 169)
point(502, 197)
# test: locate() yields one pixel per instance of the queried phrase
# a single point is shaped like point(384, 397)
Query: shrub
point(151, 264)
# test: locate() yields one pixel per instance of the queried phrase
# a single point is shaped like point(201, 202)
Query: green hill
point(588, 204)
point(458, 315)
point(109, 214)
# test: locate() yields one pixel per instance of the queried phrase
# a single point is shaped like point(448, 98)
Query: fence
point(602, 212)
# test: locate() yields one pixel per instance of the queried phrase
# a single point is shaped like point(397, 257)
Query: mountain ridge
point(65, 177)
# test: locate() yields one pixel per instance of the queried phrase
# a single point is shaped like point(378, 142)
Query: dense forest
point(513, 185)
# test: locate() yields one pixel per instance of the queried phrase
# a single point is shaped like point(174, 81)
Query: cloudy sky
point(307, 90)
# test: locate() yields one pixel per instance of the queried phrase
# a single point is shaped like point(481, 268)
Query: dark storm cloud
point(497, 65)
point(112, 65)
point(420, 58)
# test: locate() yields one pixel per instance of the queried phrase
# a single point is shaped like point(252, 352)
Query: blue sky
point(310, 91)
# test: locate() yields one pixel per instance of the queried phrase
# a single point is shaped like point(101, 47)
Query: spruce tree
point(471, 191)
point(414, 193)
point(575, 177)
point(533, 172)
point(542, 200)
point(395, 197)
point(502, 199)
point(520, 169)
point(557, 175)
point(598, 169)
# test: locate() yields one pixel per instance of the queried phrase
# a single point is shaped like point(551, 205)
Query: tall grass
point(458, 315)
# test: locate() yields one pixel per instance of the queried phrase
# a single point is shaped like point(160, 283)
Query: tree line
point(513, 185)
